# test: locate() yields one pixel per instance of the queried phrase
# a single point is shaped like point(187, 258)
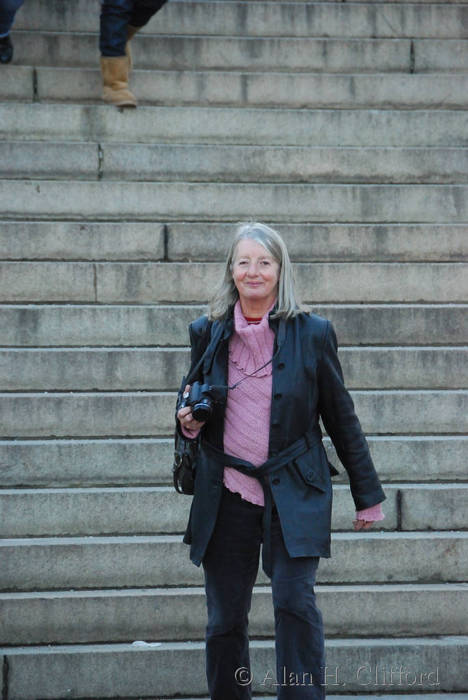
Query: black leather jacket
point(307, 383)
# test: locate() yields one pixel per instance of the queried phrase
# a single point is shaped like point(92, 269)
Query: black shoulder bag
point(186, 450)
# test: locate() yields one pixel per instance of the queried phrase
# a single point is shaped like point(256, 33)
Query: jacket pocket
point(309, 466)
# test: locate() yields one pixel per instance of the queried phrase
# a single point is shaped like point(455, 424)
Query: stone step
point(307, 54)
point(151, 414)
point(160, 510)
point(155, 369)
point(362, 692)
point(36, 325)
point(125, 670)
point(229, 163)
point(177, 614)
point(211, 88)
point(267, 89)
point(363, 20)
point(288, 127)
point(163, 560)
point(291, 203)
point(178, 242)
point(82, 282)
point(104, 462)
point(397, 242)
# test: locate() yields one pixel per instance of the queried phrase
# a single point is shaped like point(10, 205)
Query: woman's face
point(255, 272)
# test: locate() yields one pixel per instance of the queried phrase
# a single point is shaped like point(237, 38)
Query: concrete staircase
point(343, 124)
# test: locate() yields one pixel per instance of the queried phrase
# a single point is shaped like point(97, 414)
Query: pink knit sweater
point(247, 418)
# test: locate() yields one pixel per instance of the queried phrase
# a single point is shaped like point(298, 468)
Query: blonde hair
point(226, 294)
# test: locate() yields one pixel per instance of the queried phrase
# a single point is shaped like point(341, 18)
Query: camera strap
point(281, 337)
point(214, 341)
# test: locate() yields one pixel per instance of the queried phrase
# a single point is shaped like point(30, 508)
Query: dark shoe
point(6, 49)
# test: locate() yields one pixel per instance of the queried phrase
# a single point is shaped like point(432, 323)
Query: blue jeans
point(230, 567)
point(8, 10)
point(116, 15)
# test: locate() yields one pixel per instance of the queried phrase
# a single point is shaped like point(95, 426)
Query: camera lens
point(202, 411)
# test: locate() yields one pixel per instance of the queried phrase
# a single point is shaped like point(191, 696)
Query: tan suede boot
point(114, 71)
point(131, 31)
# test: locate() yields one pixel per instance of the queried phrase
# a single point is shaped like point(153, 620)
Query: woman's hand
point(366, 517)
point(186, 418)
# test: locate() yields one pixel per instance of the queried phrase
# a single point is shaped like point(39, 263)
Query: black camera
point(201, 399)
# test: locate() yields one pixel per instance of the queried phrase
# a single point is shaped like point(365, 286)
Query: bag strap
point(212, 343)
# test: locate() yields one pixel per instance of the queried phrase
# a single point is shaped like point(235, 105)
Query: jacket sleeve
point(336, 408)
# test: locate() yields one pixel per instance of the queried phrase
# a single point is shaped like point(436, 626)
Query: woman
point(262, 474)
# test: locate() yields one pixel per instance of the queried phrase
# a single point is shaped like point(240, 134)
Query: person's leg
point(143, 10)
point(230, 566)
point(115, 63)
point(299, 642)
point(8, 9)
point(115, 18)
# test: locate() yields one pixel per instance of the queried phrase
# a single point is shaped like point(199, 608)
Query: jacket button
point(275, 480)
point(310, 474)
point(281, 365)
point(277, 396)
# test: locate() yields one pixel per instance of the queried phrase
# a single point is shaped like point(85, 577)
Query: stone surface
point(310, 90)
point(237, 125)
point(35, 325)
point(229, 163)
point(151, 414)
point(177, 613)
point(286, 203)
point(334, 242)
point(161, 369)
point(47, 281)
point(255, 164)
point(161, 560)
point(104, 462)
point(267, 19)
point(319, 118)
point(160, 510)
point(33, 160)
point(17, 83)
point(103, 670)
point(83, 241)
point(317, 282)
point(188, 283)
point(241, 53)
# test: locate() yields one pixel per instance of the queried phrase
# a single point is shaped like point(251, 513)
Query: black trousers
point(116, 15)
point(230, 568)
